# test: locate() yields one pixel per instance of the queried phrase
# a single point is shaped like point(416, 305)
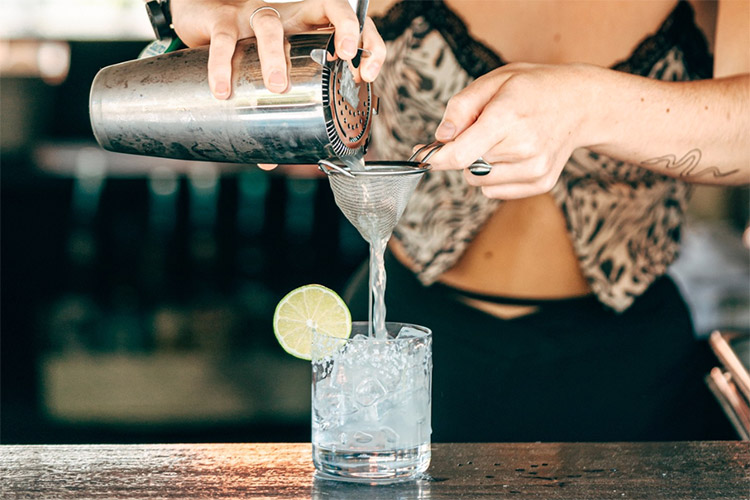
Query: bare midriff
point(523, 251)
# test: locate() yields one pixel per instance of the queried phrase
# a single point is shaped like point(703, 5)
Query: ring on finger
point(480, 167)
point(259, 9)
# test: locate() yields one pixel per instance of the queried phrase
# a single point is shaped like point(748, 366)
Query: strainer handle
point(434, 145)
point(479, 167)
point(326, 166)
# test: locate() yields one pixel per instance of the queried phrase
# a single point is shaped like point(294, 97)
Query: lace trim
point(473, 56)
point(679, 29)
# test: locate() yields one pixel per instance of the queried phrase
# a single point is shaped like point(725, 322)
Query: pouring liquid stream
point(368, 222)
point(368, 225)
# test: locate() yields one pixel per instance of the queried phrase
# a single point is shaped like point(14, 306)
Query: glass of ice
point(371, 404)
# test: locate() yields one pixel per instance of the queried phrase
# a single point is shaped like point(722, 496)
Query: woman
point(544, 281)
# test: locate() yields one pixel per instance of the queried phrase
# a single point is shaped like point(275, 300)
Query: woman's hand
point(524, 119)
point(222, 22)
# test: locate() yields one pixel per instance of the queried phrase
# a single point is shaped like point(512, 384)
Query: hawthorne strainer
point(374, 199)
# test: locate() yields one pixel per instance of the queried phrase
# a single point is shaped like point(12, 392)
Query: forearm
point(697, 131)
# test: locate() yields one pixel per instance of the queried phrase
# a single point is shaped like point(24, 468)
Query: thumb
point(465, 107)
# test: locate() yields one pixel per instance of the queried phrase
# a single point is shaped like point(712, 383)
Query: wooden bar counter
point(679, 470)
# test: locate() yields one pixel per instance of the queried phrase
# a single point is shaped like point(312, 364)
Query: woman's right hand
point(221, 23)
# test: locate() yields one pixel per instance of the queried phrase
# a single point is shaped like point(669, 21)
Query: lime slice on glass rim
point(306, 309)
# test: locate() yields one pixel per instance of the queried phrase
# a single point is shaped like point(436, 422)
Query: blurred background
point(137, 293)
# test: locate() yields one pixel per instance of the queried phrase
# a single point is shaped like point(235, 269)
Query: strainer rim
point(409, 168)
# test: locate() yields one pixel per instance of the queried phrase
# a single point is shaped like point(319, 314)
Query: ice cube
point(408, 332)
point(322, 369)
point(390, 377)
point(369, 391)
point(355, 350)
point(346, 406)
point(362, 437)
point(385, 407)
point(326, 403)
point(388, 364)
point(390, 435)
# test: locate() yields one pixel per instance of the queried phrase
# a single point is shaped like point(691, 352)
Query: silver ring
point(265, 7)
point(480, 167)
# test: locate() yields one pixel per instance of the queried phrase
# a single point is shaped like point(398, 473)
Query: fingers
point(504, 173)
point(464, 107)
point(269, 33)
point(515, 180)
point(201, 23)
point(343, 18)
point(475, 141)
point(512, 191)
point(220, 54)
point(374, 44)
point(226, 22)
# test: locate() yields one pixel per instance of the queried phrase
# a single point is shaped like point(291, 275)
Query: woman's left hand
point(525, 120)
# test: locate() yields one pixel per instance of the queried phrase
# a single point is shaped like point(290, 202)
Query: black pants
point(573, 371)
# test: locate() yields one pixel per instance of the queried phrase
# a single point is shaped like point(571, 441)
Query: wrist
point(597, 98)
point(623, 113)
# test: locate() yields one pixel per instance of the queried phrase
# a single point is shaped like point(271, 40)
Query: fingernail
point(277, 79)
point(348, 47)
point(221, 90)
point(445, 131)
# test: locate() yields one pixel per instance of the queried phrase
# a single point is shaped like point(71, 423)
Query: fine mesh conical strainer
point(374, 199)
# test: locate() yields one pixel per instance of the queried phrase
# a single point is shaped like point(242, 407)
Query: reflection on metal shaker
point(162, 106)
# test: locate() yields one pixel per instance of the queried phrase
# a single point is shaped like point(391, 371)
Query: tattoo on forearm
point(687, 166)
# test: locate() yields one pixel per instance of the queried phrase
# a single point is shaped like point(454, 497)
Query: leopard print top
point(431, 56)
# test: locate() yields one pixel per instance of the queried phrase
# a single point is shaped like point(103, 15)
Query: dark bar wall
point(137, 307)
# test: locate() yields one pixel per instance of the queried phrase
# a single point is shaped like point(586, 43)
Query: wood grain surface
point(683, 470)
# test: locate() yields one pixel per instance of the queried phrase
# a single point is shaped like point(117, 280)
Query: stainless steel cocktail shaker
point(162, 106)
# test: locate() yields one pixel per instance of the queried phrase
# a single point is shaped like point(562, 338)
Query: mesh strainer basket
point(374, 199)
